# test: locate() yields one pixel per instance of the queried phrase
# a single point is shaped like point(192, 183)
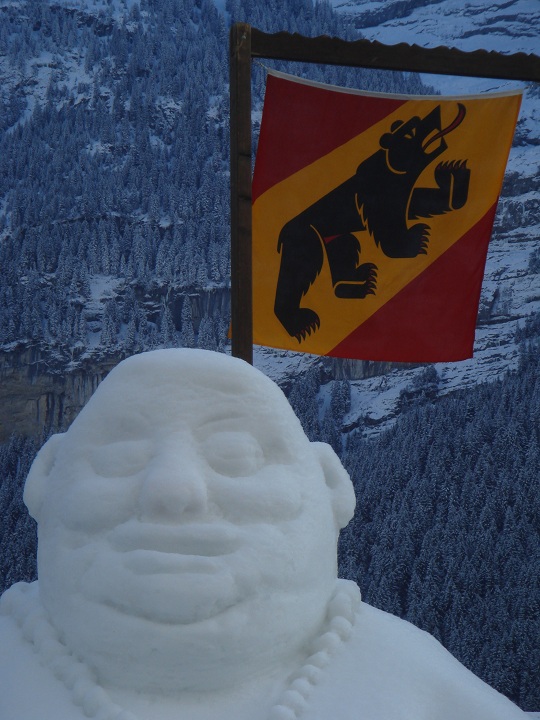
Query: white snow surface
point(187, 536)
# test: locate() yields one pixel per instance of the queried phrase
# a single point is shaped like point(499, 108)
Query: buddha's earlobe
point(35, 486)
point(338, 482)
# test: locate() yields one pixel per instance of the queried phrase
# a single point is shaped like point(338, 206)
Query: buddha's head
point(187, 527)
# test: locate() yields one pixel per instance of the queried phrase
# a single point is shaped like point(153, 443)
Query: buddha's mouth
point(205, 540)
point(152, 562)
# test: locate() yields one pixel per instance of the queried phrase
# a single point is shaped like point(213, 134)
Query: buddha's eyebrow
point(126, 430)
point(222, 420)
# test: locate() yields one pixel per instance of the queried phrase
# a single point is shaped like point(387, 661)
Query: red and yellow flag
point(371, 219)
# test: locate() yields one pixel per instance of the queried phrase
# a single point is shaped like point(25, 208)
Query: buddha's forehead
point(197, 393)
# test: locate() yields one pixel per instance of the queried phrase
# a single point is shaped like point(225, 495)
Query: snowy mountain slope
point(506, 26)
point(511, 292)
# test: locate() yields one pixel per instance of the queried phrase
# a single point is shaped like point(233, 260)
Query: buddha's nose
point(174, 485)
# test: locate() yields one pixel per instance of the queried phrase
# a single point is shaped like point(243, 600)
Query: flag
point(372, 216)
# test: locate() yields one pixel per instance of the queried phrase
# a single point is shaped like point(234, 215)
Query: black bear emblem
point(381, 197)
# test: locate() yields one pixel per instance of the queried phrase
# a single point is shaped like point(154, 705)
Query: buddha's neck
point(250, 700)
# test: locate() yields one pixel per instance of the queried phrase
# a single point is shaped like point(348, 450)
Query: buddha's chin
point(134, 654)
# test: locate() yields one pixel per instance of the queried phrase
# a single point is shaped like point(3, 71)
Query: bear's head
point(412, 145)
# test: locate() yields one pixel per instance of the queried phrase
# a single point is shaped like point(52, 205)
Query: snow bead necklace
point(22, 602)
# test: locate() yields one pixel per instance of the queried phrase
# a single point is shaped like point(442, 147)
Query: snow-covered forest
point(114, 213)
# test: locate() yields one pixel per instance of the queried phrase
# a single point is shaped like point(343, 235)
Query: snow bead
point(302, 685)
point(280, 712)
point(329, 642)
point(45, 640)
point(342, 627)
point(319, 659)
point(82, 687)
point(124, 715)
point(94, 700)
point(72, 675)
point(345, 602)
point(48, 649)
point(311, 673)
point(294, 700)
point(352, 589)
point(28, 625)
point(18, 590)
point(5, 605)
point(61, 665)
point(9, 600)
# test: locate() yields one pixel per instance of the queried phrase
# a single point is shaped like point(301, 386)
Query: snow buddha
point(187, 533)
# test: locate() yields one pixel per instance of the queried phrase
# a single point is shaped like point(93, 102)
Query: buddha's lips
point(194, 539)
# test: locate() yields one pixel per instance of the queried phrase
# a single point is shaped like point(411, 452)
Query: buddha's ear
point(36, 482)
point(338, 482)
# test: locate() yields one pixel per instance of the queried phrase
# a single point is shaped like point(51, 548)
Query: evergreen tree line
point(447, 533)
point(18, 536)
point(58, 315)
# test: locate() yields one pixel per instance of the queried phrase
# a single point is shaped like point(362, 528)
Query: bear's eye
point(410, 134)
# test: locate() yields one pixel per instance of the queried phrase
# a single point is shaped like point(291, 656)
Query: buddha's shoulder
point(29, 690)
point(391, 669)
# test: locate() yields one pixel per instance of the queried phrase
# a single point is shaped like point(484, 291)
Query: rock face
point(36, 397)
point(42, 391)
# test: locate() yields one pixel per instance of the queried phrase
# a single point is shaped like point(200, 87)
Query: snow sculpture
point(187, 568)
point(177, 512)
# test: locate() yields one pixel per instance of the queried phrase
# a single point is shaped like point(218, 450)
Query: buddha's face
point(185, 491)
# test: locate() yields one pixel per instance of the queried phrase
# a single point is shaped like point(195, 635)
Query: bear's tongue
point(453, 125)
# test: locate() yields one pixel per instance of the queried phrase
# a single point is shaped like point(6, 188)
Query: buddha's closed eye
point(120, 459)
point(233, 453)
